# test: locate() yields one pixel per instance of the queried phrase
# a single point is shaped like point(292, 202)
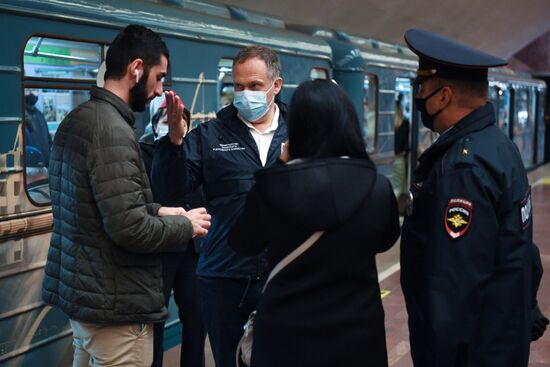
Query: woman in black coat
point(324, 308)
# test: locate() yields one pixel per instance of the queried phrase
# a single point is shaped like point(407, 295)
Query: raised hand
point(177, 128)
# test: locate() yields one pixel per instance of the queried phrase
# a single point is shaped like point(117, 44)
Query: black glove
point(538, 323)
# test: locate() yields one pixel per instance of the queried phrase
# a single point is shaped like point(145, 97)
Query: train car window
point(61, 59)
point(523, 125)
point(370, 108)
point(499, 96)
point(226, 91)
point(318, 73)
point(44, 111)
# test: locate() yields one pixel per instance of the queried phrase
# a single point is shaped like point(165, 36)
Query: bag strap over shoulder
point(293, 255)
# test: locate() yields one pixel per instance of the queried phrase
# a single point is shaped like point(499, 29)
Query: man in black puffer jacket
point(103, 267)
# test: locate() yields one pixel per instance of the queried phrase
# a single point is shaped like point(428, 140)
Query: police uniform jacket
point(466, 250)
point(222, 156)
point(324, 308)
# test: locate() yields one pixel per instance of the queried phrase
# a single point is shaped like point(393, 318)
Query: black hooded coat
point(324, 308)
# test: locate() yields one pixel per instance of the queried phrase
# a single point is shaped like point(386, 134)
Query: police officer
point(467, 252)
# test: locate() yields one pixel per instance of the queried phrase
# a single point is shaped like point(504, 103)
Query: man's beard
point(138, 94)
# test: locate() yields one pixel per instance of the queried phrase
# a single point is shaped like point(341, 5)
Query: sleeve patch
point(526, 209)
point(458, 217)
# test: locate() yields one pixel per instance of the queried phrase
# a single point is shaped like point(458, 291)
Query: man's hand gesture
point(177, 127)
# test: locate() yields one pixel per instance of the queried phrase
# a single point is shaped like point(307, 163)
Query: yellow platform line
point(542, 181)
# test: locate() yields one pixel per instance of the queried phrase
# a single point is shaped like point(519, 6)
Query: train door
point(540, 125)
point(386, 124)
point(402, 137)
point(499, 96)
point(370, 109)
point(523, 123)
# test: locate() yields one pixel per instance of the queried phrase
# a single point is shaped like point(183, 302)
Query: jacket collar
point(478, 119)
point(102, 94)
point(228, 116)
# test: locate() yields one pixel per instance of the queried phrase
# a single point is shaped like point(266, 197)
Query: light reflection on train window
point(61, 59)
point(370, 101)
point(318, 73)
point(44, 111)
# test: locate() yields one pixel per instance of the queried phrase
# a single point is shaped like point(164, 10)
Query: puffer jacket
point(103, 265)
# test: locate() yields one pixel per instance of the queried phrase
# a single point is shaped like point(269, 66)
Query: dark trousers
point(178, 272)
point(227, 303)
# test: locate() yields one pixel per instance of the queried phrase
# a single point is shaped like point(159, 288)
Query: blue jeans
point(227, 303)
point(178, 273)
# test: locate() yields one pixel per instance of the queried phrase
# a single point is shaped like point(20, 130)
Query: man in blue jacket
point(223, 155)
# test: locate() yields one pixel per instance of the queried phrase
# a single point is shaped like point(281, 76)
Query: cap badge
point(426, 72)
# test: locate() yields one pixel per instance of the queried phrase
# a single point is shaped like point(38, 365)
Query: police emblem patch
point(458, 217)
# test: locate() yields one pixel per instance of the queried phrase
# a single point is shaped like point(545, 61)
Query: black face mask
point(138, 94)
point(427, 119)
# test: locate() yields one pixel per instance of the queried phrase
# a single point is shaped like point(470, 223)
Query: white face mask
point(252, 105)
point(162, 130)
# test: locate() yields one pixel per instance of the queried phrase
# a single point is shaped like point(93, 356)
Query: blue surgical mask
point(162, 130)
point(252, 105)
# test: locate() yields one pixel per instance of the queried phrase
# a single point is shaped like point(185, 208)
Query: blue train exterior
point(55, 49)
point(374, 73)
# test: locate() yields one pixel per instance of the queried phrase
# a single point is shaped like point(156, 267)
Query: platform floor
point(397, 335)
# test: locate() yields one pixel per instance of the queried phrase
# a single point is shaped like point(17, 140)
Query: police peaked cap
point(444, 58)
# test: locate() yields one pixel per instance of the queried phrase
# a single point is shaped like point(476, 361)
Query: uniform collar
point(477, 120)
point(122, 107)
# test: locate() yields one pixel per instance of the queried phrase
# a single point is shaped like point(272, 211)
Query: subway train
point(53, 53)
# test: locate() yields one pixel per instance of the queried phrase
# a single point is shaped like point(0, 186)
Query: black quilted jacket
point(103, 265)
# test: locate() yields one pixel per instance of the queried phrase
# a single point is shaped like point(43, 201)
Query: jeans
point(178, 273)
point(227, 303)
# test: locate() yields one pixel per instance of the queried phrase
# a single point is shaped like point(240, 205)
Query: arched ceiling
point(501, 27)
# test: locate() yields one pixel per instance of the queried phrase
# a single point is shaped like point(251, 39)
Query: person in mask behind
point(223, 155)
point(467, 251)
point(178, 268)
point(156, 130)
